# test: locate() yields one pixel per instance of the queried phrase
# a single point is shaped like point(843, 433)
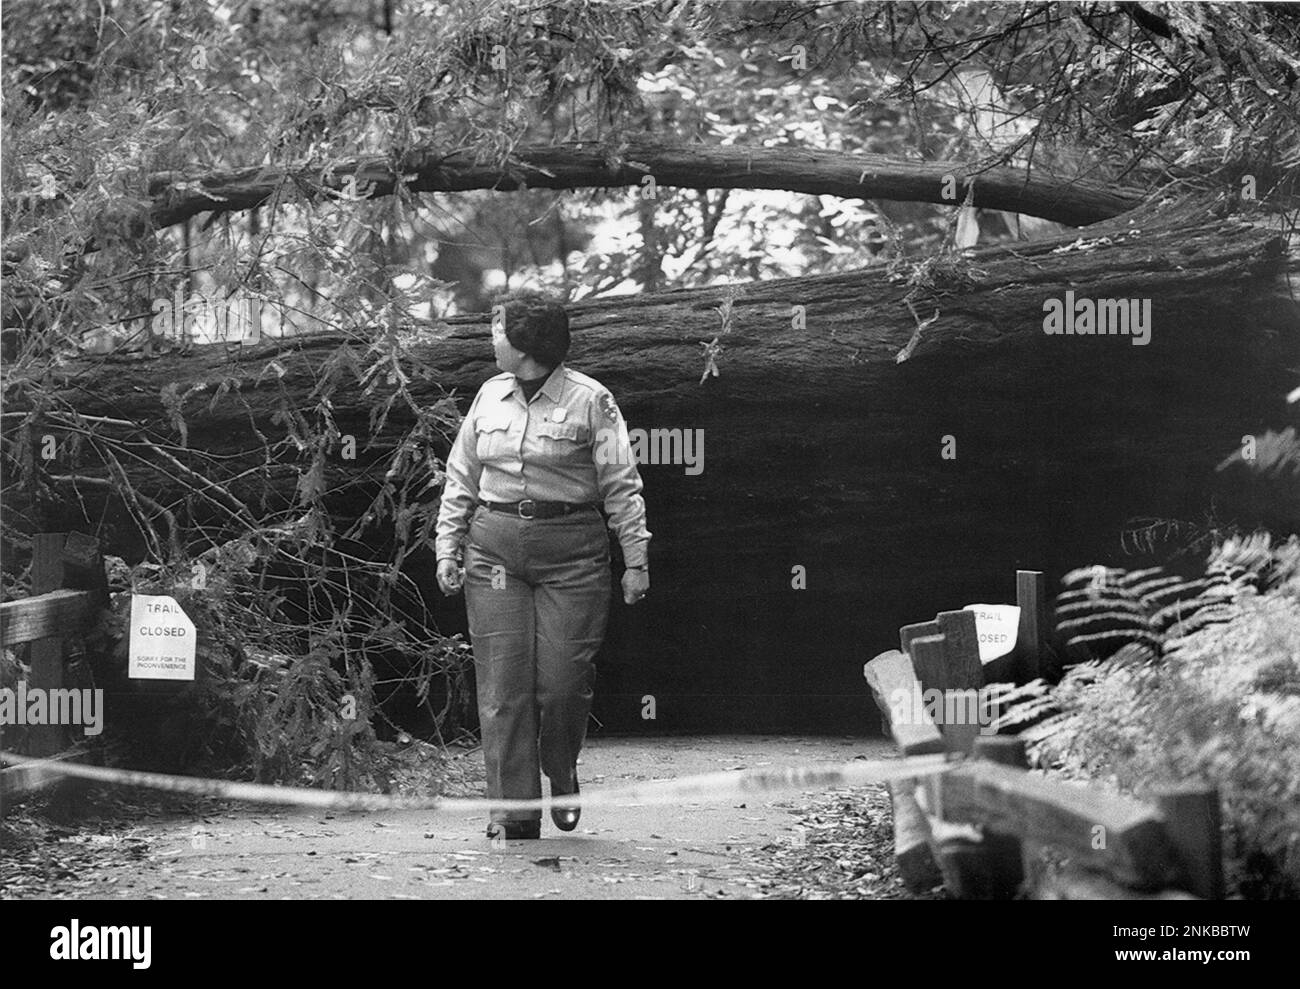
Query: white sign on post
point(162, 639)
point(996, 625)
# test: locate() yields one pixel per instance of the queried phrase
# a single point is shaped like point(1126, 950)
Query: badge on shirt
point(608, 407)
point(559, 414)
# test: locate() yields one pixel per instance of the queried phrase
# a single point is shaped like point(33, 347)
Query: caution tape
point(702, 787)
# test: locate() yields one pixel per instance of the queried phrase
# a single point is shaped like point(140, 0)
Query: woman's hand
point(635, 585)
point(451, 578)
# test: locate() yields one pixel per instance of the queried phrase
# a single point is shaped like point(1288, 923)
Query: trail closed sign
point(162, 639)
point(997, 626)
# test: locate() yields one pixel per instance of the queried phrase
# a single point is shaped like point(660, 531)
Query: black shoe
point(514, 830)
point(565, 818)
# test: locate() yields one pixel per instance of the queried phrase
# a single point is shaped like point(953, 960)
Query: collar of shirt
point(552, 387)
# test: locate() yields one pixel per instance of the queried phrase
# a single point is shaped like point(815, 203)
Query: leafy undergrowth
point(58, 845)
point(844, 851)
point(1220, 706)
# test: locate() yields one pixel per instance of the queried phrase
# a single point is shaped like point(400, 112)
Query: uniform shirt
point(569, 443)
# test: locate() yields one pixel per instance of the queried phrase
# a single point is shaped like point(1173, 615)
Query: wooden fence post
point(956, 848)
point(908, 633)
point(963, 676)
point(47, 653)
point(889, 675)
point(83, 568)
point(963, 647)
point(1006, 855)
point(1035, 624)
point(892, 678)
point(912, 840)
point(946, 667)
point(1193, 823)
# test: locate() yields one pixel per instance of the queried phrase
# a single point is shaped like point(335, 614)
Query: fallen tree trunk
point(178, 196)
point(823, 452)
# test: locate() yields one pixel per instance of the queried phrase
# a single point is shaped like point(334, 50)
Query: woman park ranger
point(541, 450)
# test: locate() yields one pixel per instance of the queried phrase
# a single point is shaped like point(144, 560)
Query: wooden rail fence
point(69, 590)
point(979, 829)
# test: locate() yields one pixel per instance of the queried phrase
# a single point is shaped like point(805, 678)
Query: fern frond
point(1135, 653)
point(1216, 615)
point(1137, 576)
point(1178, 587)
point(1121, 621)
point(1020, 704)
point(1146, 636)
point(1182, 610)
point(1158, 588)
point(1091, 605)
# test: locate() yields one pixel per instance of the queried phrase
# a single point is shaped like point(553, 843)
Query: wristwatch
point(644, 566)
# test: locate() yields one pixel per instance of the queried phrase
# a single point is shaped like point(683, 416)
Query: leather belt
point(529, 509)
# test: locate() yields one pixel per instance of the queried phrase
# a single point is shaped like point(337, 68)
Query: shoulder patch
point(608, 407)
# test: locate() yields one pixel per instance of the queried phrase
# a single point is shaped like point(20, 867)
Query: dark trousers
point(537, 592)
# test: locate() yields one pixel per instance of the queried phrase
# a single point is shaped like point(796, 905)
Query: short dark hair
point(538, 326)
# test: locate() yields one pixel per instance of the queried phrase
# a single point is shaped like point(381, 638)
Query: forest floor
point(828, 844)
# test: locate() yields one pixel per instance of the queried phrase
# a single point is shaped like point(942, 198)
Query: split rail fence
point(982, 828)
point(69, 590)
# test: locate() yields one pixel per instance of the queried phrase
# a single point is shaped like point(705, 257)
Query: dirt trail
point(624, 852)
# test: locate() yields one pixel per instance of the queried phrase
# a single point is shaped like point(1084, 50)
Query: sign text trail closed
point(162, 639)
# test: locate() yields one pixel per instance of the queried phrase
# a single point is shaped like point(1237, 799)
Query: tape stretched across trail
point(707, 786)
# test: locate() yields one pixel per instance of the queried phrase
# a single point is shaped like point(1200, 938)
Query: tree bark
point(823, 452)
point(1072, 201)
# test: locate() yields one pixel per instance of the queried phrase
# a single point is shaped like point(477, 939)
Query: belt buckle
point(519, 509)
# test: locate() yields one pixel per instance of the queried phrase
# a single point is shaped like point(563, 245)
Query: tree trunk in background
point(1068, 199)
point(821, 451)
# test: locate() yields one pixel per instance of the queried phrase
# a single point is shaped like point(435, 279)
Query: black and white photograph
point(640, 450)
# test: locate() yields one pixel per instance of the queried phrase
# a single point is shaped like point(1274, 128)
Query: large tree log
point(823, 452)
point(178, 196)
